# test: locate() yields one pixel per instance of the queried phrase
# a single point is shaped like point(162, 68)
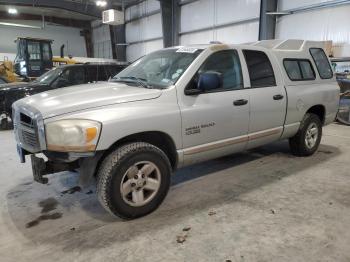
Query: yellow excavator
point(6, 71)
point(34, 58)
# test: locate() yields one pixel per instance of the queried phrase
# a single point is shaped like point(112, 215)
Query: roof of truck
point(275, 45)
point(289, 44)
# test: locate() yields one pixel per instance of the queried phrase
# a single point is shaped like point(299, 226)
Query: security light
point(101, 3)
point(12, 11)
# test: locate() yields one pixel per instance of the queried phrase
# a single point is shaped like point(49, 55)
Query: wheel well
point(318, 110)
point(156, 138)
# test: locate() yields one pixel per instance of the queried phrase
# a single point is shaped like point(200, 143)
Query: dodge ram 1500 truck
point(175, 107)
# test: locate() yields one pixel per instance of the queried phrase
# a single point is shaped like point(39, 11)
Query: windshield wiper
point(141, 81)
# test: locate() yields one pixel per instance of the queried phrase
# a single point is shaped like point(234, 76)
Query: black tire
point(343, 115)
point(113, 169)
point(4, 124)
point(298, 144)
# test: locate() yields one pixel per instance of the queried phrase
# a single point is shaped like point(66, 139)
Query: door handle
point(240, 102)
point(278, 97)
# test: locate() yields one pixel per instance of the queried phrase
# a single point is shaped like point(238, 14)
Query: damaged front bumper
point(56, 163)
point(29, 132)
point(42, 168)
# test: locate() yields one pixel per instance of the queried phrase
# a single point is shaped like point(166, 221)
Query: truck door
point(267, 99)
point(215, 122)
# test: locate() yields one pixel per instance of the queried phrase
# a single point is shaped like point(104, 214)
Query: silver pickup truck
point(175, 107)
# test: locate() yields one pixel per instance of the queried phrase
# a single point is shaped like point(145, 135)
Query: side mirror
point(206, 82)
point(209, 81)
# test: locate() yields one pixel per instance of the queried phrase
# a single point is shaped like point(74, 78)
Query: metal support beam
point(170, 10)
point(267, 23)
point(113, 42)
point(87, 34)
point(118, 42)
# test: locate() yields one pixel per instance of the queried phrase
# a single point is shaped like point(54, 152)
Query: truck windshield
point(159, 69)
point(49, 76)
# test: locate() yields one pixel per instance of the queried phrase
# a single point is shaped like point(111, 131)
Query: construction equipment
point(6, 71)
point(34, 57)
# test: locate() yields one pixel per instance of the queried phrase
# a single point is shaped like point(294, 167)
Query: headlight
point(75, 135)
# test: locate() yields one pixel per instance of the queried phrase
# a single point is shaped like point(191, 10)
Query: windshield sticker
point(165, 80)
point(179, 71)
point(186, 50)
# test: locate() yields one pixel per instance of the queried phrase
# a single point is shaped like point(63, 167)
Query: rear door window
point(102, 74)
point(91, 73)
point(292, 69)
point(260, 69)
point(323, 67)
point(299, 69)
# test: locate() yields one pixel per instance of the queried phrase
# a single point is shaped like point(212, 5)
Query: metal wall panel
point(323, 24)
point(135, 11)
point(135, 51)
point(144, 29)
point(242, 33)
point(69, 36)
point(197, 15)
point(236, 10)
point(288, 4)
point(229, 21)
point(101, 40)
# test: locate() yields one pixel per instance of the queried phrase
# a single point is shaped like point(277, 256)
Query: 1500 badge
point(197, 129)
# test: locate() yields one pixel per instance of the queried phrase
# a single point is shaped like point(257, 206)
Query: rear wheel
point(133, 180)
point(308, 138)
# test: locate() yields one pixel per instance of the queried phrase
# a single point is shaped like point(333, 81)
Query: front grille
point(26, 131)
point(30, 138)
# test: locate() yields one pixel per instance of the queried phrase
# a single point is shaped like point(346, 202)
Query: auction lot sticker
point(187, 50)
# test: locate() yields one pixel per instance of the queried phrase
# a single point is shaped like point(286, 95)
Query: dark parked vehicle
point(63, 76)
point(342, 70)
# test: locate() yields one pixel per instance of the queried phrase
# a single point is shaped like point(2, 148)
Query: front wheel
point(308, 138)
point(133, 180)
point(4, 125)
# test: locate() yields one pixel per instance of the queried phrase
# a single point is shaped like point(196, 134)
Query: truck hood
point(82, 97)
point(14, 86)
